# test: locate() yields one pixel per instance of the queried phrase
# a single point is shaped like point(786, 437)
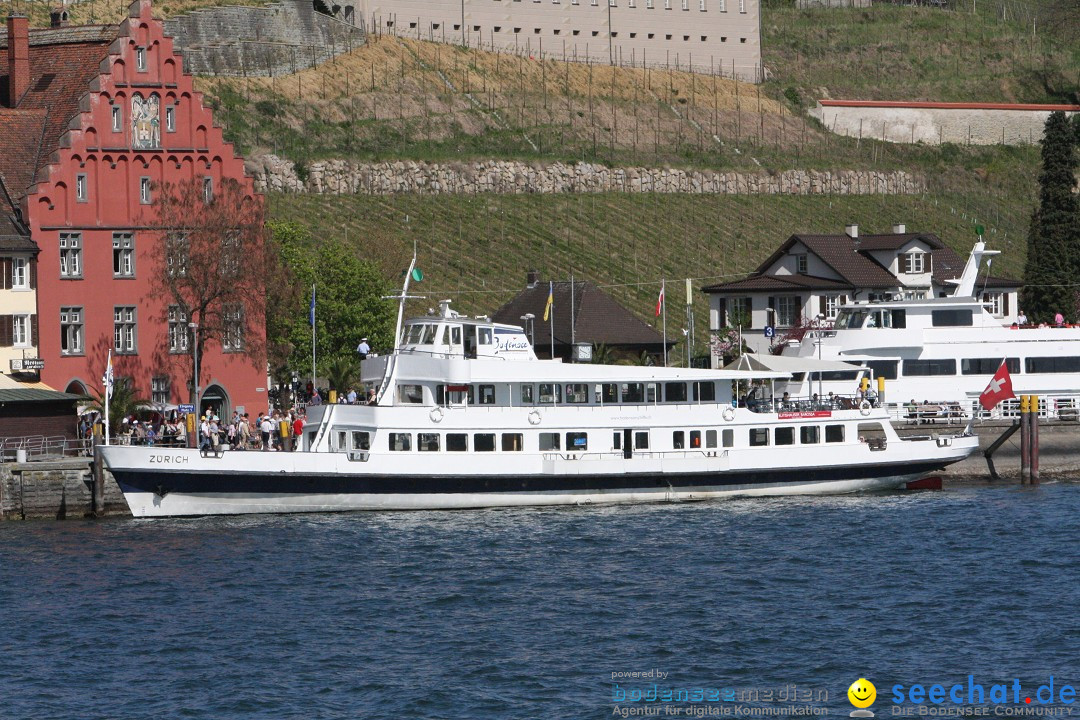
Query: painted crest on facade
point(145, 122)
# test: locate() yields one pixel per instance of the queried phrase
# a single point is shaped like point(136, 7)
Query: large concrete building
point(706, 36)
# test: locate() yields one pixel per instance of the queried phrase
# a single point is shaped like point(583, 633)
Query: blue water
point(527, 613)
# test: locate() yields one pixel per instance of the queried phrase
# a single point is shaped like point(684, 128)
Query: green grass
point(477, 249)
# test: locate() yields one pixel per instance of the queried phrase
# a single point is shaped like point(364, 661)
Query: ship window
point(427, 442)
point(834, 433)
point(837, 375)
point(641, 440)
point(695, 438)
point(675, 392)
point(951, 318)
point(759, 437)
point(633, 392)
point(616, 440)
point(487, 394)
point(512, 442)
point(457, 442)
point(728, 436)
point(453, 394)
point(577, 393)
point(987, 366)
point(650, 392)
point(785, 436)
point(710, 438)
point(1052, 364)
point(880, 319)
point(400, 441)
point(526, 394)
point(704, 392)
point(607, 393)
point(455, 335)
point(412, 394)
point(484, 442)
point(549, 441)
point(361, 440)
point(884, 368)
point(899, 319)
point(678, 439)
point(485, 336)
point(578, 441)
point(311, 438)
point(550, 393)
point(850, 319)
point(925, 368)
point(809, 435)
point(341, 436)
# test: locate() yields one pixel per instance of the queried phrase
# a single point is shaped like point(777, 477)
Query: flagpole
point(551, 317)
point(108, 394)
point(663, 308)
point(313, 335)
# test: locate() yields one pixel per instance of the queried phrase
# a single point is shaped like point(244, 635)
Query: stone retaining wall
point(59, 490)
point(274, 40)
point(341, 177)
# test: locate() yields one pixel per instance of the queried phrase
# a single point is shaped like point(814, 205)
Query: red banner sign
point(804, 414)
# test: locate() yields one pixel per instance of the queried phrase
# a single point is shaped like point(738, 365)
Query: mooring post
point(1025, 441)
point(99, 480)
point(1033, 444)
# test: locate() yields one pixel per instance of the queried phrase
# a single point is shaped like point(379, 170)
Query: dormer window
point(800, 264)
point(914, 262)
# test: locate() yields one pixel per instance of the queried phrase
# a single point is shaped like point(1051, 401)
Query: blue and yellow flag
point(550, 301)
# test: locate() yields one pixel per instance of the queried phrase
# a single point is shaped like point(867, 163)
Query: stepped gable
point(597, 319)
point(63, 61)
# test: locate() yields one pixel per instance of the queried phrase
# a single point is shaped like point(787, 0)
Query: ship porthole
point(729, 413)
point(436, 415)
point(534, 417)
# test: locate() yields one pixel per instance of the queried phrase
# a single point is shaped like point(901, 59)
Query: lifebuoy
point(534, 417)
point(436, 415)
point(865, 407)
point(729, 413)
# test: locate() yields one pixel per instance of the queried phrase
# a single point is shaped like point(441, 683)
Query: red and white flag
point(1000, 388)
point(660, 301)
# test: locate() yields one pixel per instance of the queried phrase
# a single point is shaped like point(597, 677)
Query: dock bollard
point(1033, 442)
point(1025, 441)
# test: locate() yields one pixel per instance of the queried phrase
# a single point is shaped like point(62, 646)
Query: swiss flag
point(660, 301)
point(1000, 388)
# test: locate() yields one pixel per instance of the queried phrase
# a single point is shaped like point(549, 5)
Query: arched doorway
point(76, 387)
point(215, 398)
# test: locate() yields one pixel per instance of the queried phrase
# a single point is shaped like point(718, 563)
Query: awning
point(787, 364)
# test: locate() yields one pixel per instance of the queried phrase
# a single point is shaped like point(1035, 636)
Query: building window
point(178, 246)
point(723, 5)
point(701, 5)
point(20, 330)
point(123, 254)
point(144, 190)
point(170, 118)
point(742, 6)
point(124, 329)
point(159, 390)
point(140, 59)
point(232, 339)
point(832, 305)
point(739, 312)
point(208, 189)
point(685, 4)
point(20, 273)
point(992, 301)
point(80, 187)
point(70, 255)
point(800, 264)
point(667, 6)
point(914, 262)
point(179, 333)
point(117, 118)
point(649, 6)
point(787, 310)
point(71, 331)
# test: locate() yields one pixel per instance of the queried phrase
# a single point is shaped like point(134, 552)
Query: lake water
point(532, 613)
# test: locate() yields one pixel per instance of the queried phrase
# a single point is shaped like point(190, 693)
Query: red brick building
point(94, 120)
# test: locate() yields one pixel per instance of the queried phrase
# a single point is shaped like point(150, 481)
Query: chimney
point(532, 278)
point(899, 229)
point(58, 17)
point(852, 230)
point(18, 58)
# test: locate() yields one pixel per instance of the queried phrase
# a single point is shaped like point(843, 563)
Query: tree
point(1053, 258)
point(349, 302)
point(216, 263)
point(123, 402)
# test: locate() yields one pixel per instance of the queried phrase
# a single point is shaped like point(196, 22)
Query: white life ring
point(729, 413)
point(436, 415)
point(534, 417)
point(865, 408)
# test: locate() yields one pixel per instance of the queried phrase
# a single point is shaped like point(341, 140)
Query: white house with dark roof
point(813, 275)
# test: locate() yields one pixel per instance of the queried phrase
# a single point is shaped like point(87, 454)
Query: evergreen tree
point(1053, 260)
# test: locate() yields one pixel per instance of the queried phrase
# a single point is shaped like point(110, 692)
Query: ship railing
point(42, 447)
point(1063, 407)
point(807, 404)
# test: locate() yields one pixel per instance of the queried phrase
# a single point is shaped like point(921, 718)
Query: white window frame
point(787, 310)
point(117, 118)
point(208, 189)
point(170, 118)
point(993, 303)
point(802, 264)
point(742, 6)
point(81, 194)
point(71, 255)
point(914, 263)
point(125, 330)
point(145, 197)
point(832, 305)
point(20, 331)
point(123, 255)
point(179, 332)
point(159, 389)
point(233, 322)
point(20, 273)
point(140, 59)
point(71, 330)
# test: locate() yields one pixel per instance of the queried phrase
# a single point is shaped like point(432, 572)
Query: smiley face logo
point(862, 693)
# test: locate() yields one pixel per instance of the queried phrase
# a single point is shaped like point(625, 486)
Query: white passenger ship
point(942, 350)
point(468, 417)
